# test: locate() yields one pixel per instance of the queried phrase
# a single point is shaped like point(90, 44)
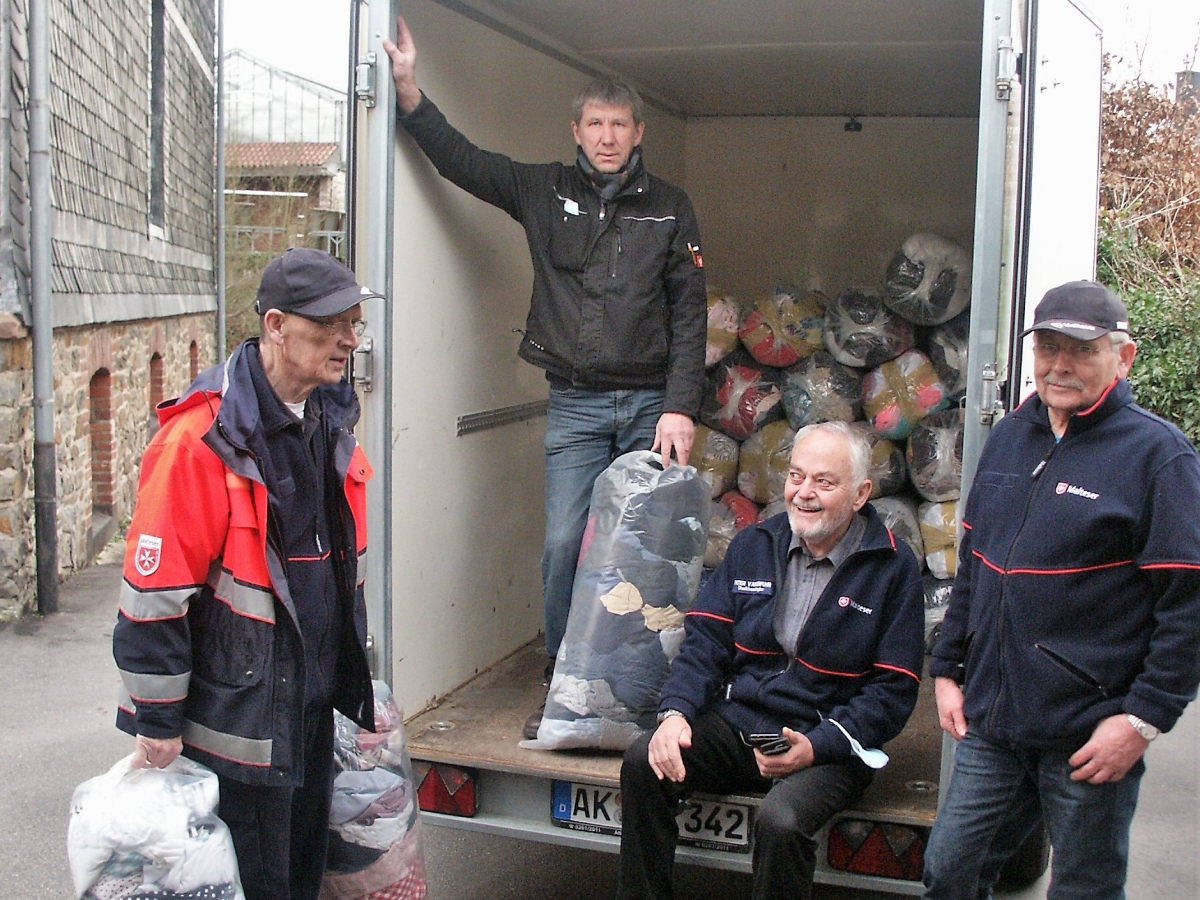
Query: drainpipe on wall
point(220, 194)
point(44, 477)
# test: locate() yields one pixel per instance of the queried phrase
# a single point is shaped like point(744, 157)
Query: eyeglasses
point(335, 326)
point(1077, 351)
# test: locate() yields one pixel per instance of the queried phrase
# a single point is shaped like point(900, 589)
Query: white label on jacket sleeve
point(149, 554)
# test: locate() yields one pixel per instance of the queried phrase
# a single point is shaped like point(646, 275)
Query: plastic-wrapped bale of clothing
point(724, 321)
point(774, 508)
point(732, 512)
point(821, 389)
point(939, 530)
point(715, 456)
point(783, 327)
point(947, 348)
point(861, 332)
point(138, 834)
point(638, 571)
point(888, 472)
point(928, 280)
point(741, 395)
point(374, 821)
point(764, 461)
point(901, 515)
point(934, 455)
point(900, 393)
point(937, 599)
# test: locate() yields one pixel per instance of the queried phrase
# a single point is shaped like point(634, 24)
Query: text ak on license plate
point(703, 822)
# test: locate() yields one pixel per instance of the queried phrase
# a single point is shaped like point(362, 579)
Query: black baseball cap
point(1083, 310)
point(309, 282)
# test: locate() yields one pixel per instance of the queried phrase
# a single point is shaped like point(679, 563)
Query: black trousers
point(785, 827)
point(281, 834)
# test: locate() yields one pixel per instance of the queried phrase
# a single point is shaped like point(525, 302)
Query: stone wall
point(123, 351)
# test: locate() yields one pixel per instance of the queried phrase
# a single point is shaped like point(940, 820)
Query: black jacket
point(618, 286)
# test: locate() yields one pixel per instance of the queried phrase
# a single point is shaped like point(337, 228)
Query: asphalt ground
point(58, 688)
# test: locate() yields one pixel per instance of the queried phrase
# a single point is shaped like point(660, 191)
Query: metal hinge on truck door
point(363, 363)
point(1006, 68)
point(991, 407)
point(364, 79)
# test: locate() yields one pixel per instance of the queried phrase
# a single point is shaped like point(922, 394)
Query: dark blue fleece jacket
point(857, 661)
point(1078, 587)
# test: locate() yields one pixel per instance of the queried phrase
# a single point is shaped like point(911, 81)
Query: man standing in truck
point(242, 623)
point(1071, 638)
point(802, 657)
point(618, 314)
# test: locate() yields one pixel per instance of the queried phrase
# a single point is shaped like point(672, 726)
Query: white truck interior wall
point(802, 199)
point(467, 511)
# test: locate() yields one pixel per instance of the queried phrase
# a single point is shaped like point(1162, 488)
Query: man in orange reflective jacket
point(242, 623)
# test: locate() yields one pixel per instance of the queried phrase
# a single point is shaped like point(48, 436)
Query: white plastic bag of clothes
point(724, 320)
point(821, 389)
point(638, 571)
point(934, 456)
point(939, 531)
point(901, 515)
point(928, 280)
point(151, 834)
point(783, 327)
point(374, 821)
point(741, 395)
point(947, 348)
point(888, 471)
point(900, 393)
point(715, 456)
point(861, 332)
point(764, 461)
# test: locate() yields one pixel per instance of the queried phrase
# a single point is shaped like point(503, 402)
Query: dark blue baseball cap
point(1083, 310)
point(310, 283)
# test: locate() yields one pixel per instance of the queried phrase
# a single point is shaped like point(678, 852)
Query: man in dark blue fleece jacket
point(1073, 630)
point(811, 630)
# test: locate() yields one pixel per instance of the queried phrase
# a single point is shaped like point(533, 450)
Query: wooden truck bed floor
point(479, 724)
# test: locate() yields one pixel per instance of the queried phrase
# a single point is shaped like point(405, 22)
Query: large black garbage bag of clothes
point(638, 572)
point(821, 389)
point(151, 833)
point(947, 350)
point(934, 457)
point(374, 819)
point(861, 332)
point(928, 280)
point(741, 395)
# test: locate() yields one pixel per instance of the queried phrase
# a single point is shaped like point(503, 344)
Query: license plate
point(703, 822)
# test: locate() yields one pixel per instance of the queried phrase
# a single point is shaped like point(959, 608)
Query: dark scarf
point(608, 185)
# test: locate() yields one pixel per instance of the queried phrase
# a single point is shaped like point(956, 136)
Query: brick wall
point(124, 352)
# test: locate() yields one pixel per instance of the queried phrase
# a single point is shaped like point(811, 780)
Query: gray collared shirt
point(806, 579)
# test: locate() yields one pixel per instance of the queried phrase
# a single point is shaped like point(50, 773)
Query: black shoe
point(530, 729)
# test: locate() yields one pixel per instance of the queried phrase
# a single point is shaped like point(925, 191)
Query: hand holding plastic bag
point(151, 832)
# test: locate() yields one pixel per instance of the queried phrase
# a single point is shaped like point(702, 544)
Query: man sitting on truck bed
point(802, 650)
point(618, 314)
point(1072, 633)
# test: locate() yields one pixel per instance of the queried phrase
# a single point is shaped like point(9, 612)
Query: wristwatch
point(1142, 727)
point(667, 713)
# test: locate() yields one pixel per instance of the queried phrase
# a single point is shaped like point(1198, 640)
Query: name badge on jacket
point(743, 586)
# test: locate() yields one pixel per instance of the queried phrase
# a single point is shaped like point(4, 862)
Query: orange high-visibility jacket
point(206, 640)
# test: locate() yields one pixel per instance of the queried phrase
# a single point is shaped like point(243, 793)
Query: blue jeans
point(995, 797)
point(585, 431)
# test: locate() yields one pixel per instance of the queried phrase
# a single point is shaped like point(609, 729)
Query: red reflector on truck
point(877, 848)
point(445, 789)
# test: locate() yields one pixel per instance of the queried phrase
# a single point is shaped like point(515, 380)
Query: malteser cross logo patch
point(1063, 488)
point(148, 555)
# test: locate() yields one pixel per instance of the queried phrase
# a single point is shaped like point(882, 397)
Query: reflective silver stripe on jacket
point(155, 688)
point(243, 599)
point(362, 567)
point(144, 606)
point(243, 750)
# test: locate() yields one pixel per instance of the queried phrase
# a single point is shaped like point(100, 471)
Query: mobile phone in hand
point(770, 744)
